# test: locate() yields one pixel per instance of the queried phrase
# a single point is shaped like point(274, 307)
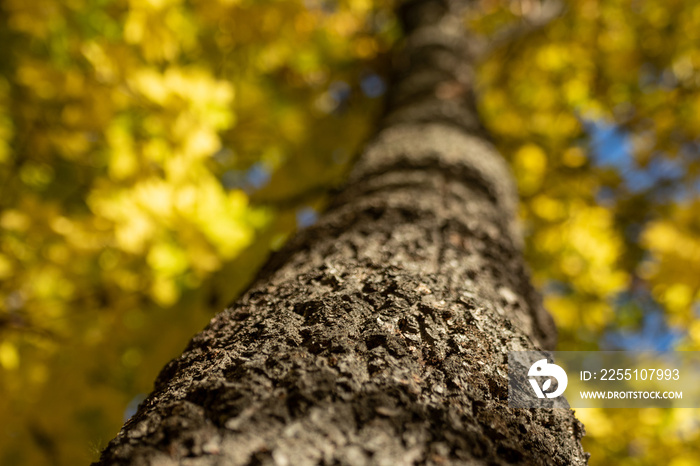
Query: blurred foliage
point(152, 153)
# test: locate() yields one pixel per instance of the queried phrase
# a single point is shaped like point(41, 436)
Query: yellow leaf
point(678, 297)
point(5, 267)
point(9, 357)
point(548, 208)
point(530, 164)
point(167, 259)
point(164, 292)
point(574, 157)
point(14, 220)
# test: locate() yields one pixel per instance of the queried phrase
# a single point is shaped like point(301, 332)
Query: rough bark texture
point(379, 335)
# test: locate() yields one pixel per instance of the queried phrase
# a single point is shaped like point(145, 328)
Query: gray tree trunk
point(380, 334)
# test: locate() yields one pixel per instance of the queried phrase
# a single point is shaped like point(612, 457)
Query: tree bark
point(380, 334)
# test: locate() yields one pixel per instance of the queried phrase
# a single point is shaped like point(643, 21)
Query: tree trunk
point(380, 334)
